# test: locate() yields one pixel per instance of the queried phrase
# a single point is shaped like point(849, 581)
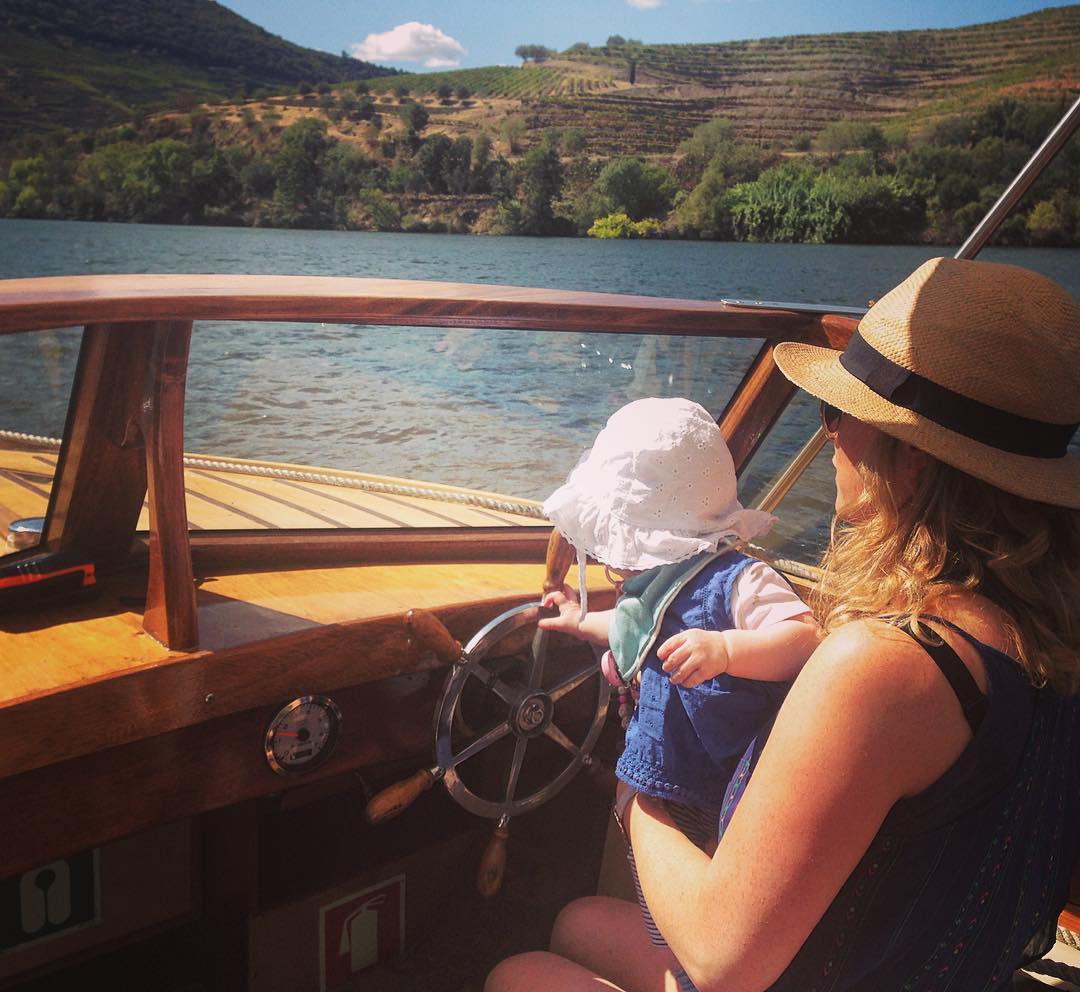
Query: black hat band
point(983, 423)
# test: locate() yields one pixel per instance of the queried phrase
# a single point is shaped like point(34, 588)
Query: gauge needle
point(286, 733)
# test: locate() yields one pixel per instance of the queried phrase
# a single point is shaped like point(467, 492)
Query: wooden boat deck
point(236, 494)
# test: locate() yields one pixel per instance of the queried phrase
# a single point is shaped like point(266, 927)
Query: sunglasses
point(830, 420)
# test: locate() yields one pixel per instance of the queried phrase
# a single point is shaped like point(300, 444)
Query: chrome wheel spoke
point(539, 658)
point(563, 741)
point(490, 680)
point(515, 768)
point(572, 682)
point(496, 733)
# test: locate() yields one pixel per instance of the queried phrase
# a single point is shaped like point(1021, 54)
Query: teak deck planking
point(218, 499)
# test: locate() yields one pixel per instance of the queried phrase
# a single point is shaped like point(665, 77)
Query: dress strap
point(971, 698)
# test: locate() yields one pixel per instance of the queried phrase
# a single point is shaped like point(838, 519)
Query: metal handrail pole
point(1054, 142)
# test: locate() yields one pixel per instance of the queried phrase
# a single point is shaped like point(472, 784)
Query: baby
point(714, 636)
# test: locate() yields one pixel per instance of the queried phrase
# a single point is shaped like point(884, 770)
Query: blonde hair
point(957, 534)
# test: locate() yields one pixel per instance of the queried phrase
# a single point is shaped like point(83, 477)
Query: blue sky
point(428, 34)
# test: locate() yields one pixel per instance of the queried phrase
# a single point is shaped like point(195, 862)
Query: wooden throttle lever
point(560, 556)
point(432, 633)
point(401, 795)
point(489, 878)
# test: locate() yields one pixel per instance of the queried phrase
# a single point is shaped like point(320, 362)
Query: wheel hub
point(532, 716)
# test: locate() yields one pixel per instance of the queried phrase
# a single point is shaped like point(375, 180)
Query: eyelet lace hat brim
point(657, 486)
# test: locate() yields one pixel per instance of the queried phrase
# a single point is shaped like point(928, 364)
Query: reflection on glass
point(36, 372)
point(806, 512)
point(504, 412)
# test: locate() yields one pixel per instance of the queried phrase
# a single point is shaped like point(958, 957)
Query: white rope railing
point(517, 507)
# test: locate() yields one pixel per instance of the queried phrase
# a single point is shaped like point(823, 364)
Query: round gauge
point(302, 734)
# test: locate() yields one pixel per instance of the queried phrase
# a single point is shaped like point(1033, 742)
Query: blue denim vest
point(684, 744)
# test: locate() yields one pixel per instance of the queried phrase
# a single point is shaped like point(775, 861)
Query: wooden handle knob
point(431, 632)
point(489, 879)
point(399, 796)
point(560, 556)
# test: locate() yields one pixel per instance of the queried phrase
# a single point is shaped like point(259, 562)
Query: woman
point(914, 816)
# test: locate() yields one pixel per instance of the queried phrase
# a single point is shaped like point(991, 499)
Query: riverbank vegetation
point(856, 182)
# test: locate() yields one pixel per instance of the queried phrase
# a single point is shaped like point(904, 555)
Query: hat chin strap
point(583, 589)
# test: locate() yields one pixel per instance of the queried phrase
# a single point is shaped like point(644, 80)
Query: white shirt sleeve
point(761, 597)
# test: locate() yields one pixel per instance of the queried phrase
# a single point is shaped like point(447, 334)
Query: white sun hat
point(657, 486)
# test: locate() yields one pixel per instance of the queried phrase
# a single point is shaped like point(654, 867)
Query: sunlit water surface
point(494, 410)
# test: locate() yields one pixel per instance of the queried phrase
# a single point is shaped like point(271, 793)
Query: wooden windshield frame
point(124, 435)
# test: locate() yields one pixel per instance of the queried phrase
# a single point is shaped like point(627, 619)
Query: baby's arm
point(774, 653)
point(593, 629)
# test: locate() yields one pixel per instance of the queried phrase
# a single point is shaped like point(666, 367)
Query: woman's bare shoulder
point(871, 652)
point(882, 688)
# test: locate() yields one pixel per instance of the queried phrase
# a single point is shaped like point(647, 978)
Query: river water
point(494, 410)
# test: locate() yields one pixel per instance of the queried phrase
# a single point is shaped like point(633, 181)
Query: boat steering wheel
point(529, 704)
point(520, 692)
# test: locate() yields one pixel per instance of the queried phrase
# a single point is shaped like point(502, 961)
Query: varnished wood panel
point(246, 550)
point(98, 797)
point(836, 330)
point(122, 704)
point(31, 304)
point(170, 615)
point(762, 396)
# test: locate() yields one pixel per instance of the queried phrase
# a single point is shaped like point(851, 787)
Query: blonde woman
point(914, 818)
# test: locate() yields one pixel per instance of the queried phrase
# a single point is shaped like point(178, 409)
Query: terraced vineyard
point(777, 90)
point(780, 88)
point(622, 123)
point(530, 82)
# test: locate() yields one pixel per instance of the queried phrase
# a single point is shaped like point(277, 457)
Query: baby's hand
point(569, 619)
point(694, 656)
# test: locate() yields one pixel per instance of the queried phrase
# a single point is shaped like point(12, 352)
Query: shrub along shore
point(351, 162)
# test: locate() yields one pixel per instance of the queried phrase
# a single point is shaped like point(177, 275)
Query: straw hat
point(656, 487)
point(975, 363)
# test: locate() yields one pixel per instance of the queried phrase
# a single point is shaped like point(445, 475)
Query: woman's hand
point(694, 656)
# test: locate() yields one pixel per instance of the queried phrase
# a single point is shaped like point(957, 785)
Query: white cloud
point(644, 4)
point(412, 42)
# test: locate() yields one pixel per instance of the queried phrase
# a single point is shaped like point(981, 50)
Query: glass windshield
point(36, 372)
point(367, 426)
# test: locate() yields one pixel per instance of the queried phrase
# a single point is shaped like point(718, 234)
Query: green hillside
point(84, 64)
point(777, 90)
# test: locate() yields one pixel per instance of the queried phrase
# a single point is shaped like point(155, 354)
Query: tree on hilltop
point(534, 53)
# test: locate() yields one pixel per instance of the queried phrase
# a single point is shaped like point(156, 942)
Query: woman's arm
point(869, 719)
